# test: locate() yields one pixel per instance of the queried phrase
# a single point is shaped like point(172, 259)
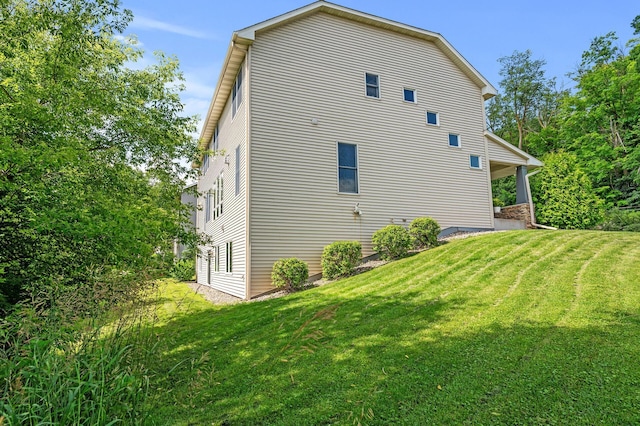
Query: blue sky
point(198, 32)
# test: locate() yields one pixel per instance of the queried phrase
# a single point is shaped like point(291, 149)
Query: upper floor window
point(372, 82)
point(475, 162)
point(347, 168)
point(454, 140)
point(207, 207)
point(216, 195)
point(205, 163)
point(410, 95)
point(432, 118)
point(215, 143)
point(236, 97)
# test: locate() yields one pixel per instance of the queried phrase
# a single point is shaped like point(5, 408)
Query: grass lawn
point(524, 327)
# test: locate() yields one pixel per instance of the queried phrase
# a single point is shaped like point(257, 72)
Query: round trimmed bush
point(340, 258)
point(391, 242)
point(424, 231)
point(290, 274)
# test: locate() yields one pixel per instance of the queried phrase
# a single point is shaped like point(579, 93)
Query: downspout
point(531, 208)
point(247, 183)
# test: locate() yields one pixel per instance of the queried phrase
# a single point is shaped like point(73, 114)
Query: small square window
point(454, 140)
point(372, 82)
point(432, 118)
point(475, 162)
point(410, 95)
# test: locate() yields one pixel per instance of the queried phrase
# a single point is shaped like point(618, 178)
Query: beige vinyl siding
point(501, 154)
point(231, 225)
point(314, 68)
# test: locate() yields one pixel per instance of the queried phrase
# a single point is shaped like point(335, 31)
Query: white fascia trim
point(234, 59)
point(531, 160)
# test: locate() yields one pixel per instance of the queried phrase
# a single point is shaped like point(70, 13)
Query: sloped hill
point(529, 327)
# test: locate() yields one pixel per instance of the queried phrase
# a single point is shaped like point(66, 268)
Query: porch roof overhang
point(505, 158)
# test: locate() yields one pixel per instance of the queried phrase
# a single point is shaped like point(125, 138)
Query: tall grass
point(90, 374)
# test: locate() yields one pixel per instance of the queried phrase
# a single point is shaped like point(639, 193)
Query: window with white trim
point(432, 118)
point(229, 263)
point(216, 195)
point(215, 143)
point(205, 163)
point(216, 258)
point(372, 85)
point(475, 162)
point(347, 168)
point(207, 206)
point(454, 140)
point(236, 95)
point(409, 95)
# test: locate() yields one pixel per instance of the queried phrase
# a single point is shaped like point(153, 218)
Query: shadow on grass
point(373, 360)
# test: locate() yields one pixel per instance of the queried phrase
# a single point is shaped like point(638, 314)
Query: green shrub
point(563, 194)
point(290, 273)
point(498, 202)
point(622, 220)
point(391, 242)
point(340, 258)
point(183, 270)
point(424, 231)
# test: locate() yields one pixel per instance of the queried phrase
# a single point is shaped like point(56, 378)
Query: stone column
point(521, 185)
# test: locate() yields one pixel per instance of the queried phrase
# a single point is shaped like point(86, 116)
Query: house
point(328, 124)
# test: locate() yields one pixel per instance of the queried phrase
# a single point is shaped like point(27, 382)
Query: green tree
point(599, 123)
point(90, 175)
point(563, 194)
point(528, 97)
point(605, 115)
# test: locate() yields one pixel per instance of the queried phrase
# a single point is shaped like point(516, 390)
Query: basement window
point(229, 262)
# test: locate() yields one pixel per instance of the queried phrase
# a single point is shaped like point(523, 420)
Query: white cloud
point(152, 24)
point(193, 106)
point(132, 40)
point(199, 87)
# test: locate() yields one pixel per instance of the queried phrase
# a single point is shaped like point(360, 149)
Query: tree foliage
point(528, 98)
point(602, 120)
point(598, 122)
point(89, 166)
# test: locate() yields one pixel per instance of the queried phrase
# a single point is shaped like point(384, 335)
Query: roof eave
point(233, 60)
point(531, 161)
